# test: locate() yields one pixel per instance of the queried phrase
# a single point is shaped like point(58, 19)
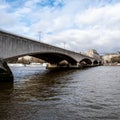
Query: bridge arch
point(95, 62)
point(85, 61)
point(100, 62)
point(50, 57)
point(54, 57)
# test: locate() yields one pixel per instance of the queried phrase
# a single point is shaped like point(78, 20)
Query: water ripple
point(39, 94)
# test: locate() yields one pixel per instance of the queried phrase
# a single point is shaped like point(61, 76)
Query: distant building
point(29, 59)
point(111, 58)
point(93, 53)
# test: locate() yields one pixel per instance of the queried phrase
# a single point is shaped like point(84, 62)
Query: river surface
point(40, 94)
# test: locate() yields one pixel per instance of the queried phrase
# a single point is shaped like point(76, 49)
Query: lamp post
point(64, 44)
point(40, 35)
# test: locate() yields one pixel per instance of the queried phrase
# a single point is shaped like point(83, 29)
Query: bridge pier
point(67, 66)
point(5, 72)
point(51, 66)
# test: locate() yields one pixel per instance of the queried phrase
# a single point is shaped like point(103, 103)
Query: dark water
point(39, 94)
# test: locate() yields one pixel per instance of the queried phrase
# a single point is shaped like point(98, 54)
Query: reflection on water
point(39, 94)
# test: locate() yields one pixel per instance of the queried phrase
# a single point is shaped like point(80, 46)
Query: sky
point(77, 25)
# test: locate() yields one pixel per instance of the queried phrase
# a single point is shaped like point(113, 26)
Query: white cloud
point(77, 25)
point(103, 17)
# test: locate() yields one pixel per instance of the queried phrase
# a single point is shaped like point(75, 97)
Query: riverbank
point(112, 64)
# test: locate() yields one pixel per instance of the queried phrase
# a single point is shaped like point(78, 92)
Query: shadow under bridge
point(54, 58)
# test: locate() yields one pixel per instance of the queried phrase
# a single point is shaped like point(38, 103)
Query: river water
point(40, 94)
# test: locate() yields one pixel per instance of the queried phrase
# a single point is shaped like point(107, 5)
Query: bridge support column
point(51, 66)
point(77, 66)
point(68, 66)
point(5, 72)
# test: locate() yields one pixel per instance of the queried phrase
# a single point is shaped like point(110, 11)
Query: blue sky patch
point(49, 3)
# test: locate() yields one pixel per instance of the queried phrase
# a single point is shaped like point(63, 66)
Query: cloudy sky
point(77, 25)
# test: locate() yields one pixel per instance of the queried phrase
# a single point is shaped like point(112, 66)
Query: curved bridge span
point(12, 46)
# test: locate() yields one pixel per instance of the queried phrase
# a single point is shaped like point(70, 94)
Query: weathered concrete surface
point(5, 72)
point(15, 46)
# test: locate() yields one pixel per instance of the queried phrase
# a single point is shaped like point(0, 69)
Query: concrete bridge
point(14, 46)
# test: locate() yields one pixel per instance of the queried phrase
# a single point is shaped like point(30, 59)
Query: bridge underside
point(54, 58)
point(58, 60)
point(50, 57)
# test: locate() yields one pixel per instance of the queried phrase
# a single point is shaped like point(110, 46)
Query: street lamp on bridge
point(39, 35)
